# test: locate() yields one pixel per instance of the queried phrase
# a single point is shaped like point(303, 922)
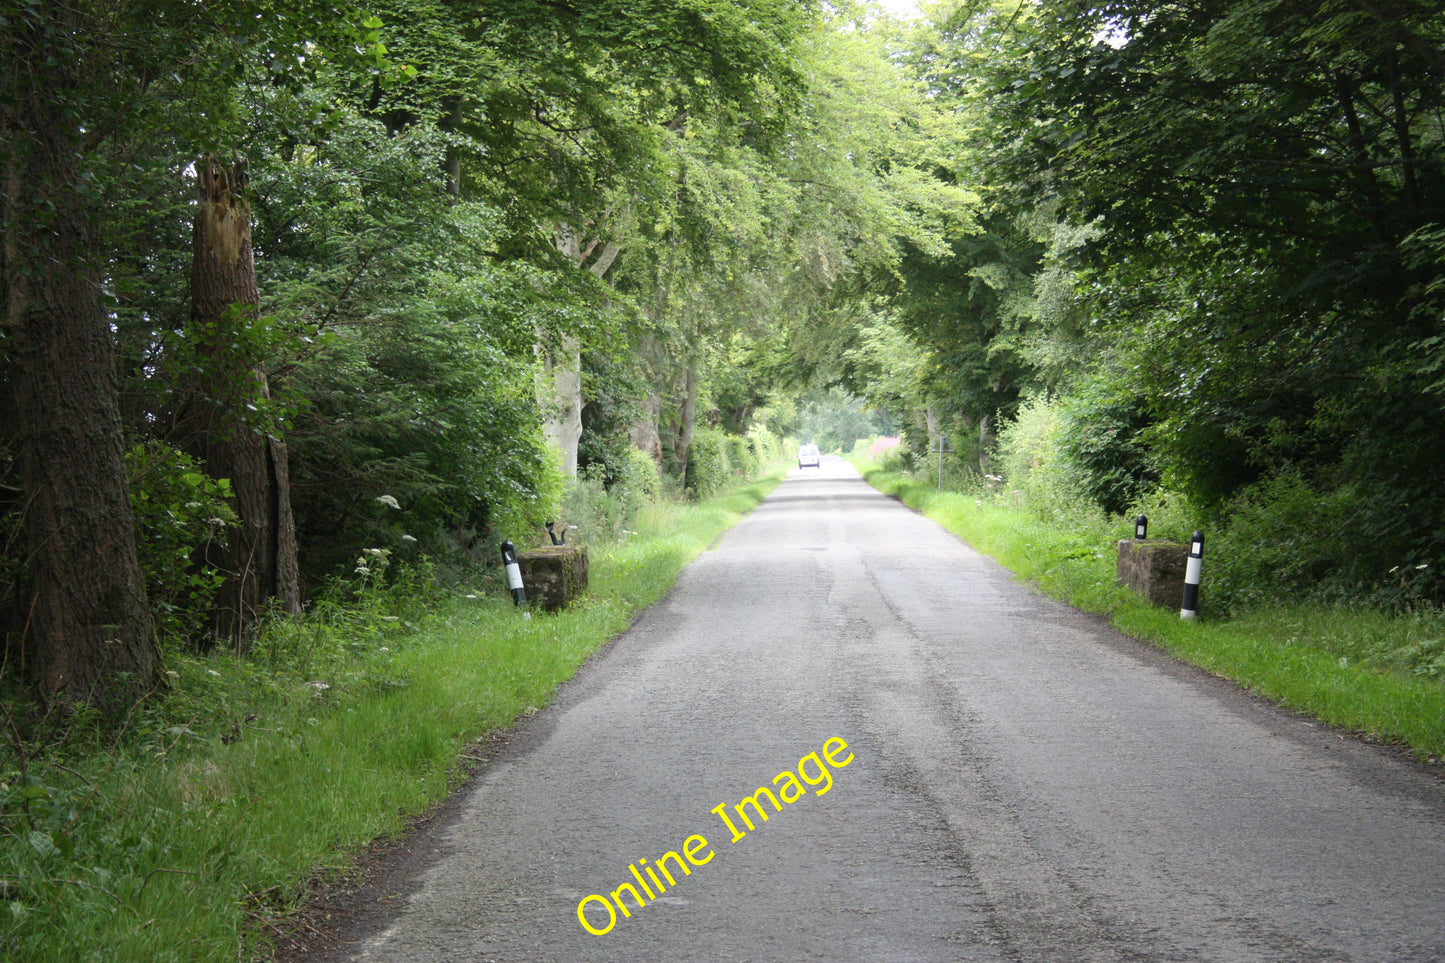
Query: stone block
point(554, 576)
point(1154, 570)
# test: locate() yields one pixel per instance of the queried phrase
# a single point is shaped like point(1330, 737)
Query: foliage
point(1263, 280)
point(1279, 539)
point(766, 447)
point(1102, 439)
point(592, 513)
point(708, 470)
point(179, 510)
point(742, 458)
point(1031, 459)
point(611, 387)
point(834, 421)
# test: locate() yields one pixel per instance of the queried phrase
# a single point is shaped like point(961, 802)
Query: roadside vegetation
point(188, 832)
point(1368, 666)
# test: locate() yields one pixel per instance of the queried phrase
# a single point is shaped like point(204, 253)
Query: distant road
point(1019, 782)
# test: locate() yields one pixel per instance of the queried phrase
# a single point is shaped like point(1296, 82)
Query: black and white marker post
point(1141, 527)
point(514, 573)
point(1189, 608)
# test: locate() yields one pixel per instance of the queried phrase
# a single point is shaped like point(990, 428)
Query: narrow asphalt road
point(1019, 782)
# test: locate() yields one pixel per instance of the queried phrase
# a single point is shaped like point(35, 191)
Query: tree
point(409, 366)
point(89, 89)
point(88, 634)
point(571, 114)
point(1264, 264)
point(225, 418)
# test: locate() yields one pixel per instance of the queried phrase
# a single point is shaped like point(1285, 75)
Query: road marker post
point(1141, 527)
point(514, 574)
point(1189, 607)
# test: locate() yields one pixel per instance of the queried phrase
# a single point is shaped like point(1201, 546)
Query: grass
point(1373, 674)
point(190, 835)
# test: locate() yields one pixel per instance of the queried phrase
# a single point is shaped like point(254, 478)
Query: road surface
point(959, 769)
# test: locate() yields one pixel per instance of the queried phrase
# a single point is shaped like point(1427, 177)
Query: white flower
point(389, 501)
point(409, 539)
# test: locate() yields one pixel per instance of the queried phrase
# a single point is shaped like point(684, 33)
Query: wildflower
point(408, 539)
point(389, 501)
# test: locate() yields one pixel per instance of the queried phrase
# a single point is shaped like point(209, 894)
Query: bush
point(1281, 542)
point(708, 471)
point(1102, 440)
point(1028, 446)
point(179, 510)
point(742, 458)
point(606, 513)
point(1034, 464)
point(591, 513)
point(767, 447)
point(641, 475)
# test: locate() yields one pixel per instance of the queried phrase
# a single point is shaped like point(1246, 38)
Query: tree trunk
point(985, 437)
point(687, 419)
point(560, 388)
point(560, 395)
point(643, 433)
point(88, 633)
point(260, 559)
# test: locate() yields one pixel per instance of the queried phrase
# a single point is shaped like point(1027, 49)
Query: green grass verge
point(191, 836)
point(1338, 665)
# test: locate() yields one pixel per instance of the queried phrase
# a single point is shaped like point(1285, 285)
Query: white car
point(808, 456)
